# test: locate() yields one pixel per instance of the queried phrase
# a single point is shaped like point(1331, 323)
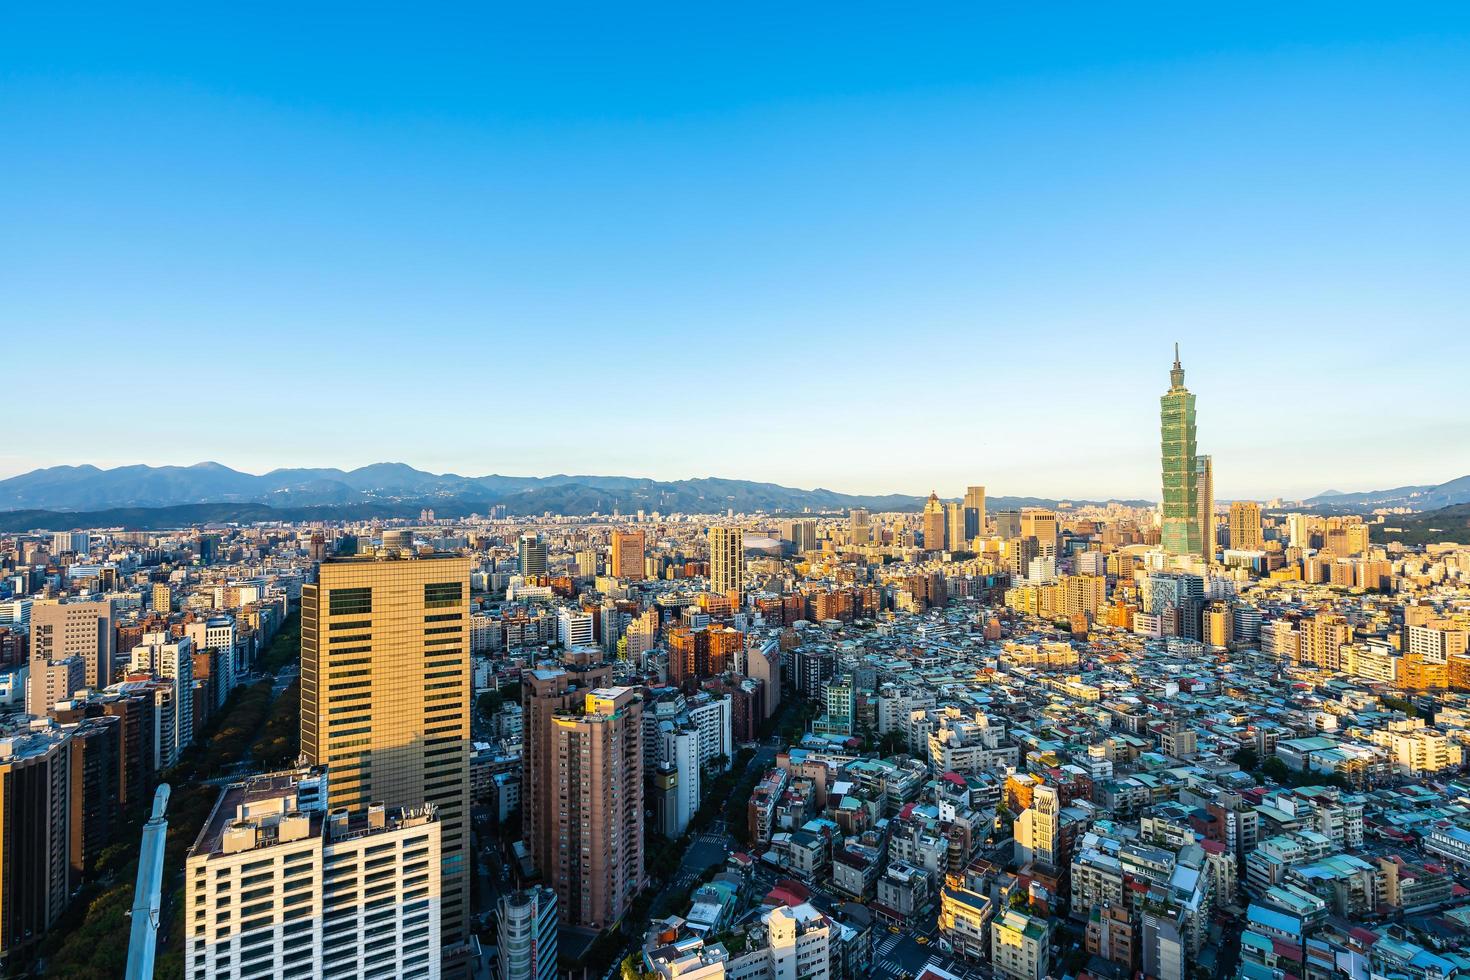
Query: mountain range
point(1430, 497)
point(396, 489)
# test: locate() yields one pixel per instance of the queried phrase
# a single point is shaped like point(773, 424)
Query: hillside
point(1431, 527)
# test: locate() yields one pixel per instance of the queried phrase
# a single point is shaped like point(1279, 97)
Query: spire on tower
point(1176, 376)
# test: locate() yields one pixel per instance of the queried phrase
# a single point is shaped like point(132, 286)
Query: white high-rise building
point(714, 721)
point(797, 947)
point(172, 661)
point(574, 628)
point(217, 633)
point(278, 887)
point(680, 748)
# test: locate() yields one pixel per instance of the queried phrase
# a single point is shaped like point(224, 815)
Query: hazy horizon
point(948, 493)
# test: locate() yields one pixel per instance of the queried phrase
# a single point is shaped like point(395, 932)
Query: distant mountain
point(1456, 491)
point(88, 492)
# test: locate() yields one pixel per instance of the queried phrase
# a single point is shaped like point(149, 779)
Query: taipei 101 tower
point(1181, 531)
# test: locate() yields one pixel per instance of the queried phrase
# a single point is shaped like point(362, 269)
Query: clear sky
point(872, 248)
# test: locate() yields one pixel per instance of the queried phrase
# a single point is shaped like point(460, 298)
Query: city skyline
point(696, 492)
point(373, 218)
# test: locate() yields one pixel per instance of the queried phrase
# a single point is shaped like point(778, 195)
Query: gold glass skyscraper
point(385, 699)
point(726, 559)
point(1181, 530)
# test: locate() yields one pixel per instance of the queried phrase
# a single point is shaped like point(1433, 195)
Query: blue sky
point(873, 248)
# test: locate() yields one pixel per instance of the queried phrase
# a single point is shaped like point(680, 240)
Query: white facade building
point(277, 887)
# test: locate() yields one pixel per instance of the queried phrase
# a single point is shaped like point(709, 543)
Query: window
point(343, 602)
point(439, 595)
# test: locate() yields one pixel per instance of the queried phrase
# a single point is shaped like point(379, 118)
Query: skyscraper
point(954, 526)
point(1008, 523)
point(1204, 475)
point(800, 535)
point(385, 698)
point(726, 559)
point(974, 512)
point(933, 523)
point(532, 554)
point(1180, 478)
point(1245, 526)
point(858, 525)
point(1041, 525)
point(627, 554)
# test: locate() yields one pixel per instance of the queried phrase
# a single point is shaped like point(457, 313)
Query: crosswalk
point(887, 967)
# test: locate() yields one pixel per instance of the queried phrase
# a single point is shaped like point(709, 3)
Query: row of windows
point(343, 602)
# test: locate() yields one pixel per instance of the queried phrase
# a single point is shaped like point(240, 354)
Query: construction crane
point(148, 892)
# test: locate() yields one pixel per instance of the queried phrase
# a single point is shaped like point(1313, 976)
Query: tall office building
point(933, 523)
point(84, 629)
point(584, 767)
point(1008, 523)
point(35, 772)
point(385, 699)
point(726, 559)
point(527, 934)
point(627, 555)
point(1245, 526)
point(281, 887)
point(799, 535)
point(974, 512)
point(1180, 477)
point(1041, 525)
point(859, 526)
point(954, 527)
point(1204, 476)
point(163, 598)
point(532, 551)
